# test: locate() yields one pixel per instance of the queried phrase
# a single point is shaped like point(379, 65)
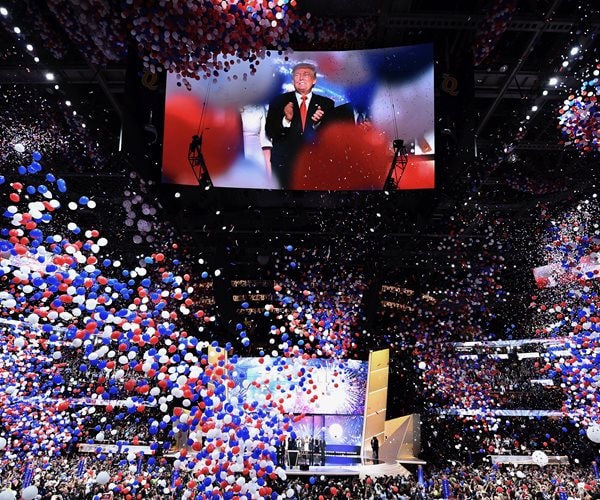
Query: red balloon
point(347, 157)
point(220, 145)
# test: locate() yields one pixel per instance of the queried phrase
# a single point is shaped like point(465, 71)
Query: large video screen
point(315, 386)
point(362, 104)
point(333, 429)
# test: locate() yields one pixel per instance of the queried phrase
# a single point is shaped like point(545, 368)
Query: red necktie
point(303, 111)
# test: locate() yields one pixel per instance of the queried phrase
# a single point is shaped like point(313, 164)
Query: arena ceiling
point(497, 125)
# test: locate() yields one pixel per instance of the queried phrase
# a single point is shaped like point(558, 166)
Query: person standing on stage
point(375, 448)
point(293, 120)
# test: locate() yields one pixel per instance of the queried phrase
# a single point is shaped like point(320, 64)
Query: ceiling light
point(534, 108)
point(545, 92)
point(29, 47)
point(68, 103)
point(17, 30)
point(553, 81)
point(3, 11)
point(574, 51)
point(50, 76)
point(565, 64)
point(36, 59)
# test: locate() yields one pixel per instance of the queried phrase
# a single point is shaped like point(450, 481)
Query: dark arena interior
point(299, 249)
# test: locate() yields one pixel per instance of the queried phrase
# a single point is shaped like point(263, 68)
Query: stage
point(359, 470)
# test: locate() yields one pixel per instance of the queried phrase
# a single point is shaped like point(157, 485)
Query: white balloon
point(593, 433)
point(7, 495)
point(539, 458)
point(29, 493)
point(103, 477)
point(19, 148)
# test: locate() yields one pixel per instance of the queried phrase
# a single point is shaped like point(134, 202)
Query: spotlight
point(574, 51)
point(553, 81)
point(3, 11)
point(50, 76)
point(17, 30)
point(29, 47)
point(534, 108)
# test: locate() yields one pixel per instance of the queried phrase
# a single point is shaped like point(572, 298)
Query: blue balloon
point(34, 168)
point(62, 185)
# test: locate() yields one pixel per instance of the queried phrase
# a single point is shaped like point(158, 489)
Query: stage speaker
point(303, 466)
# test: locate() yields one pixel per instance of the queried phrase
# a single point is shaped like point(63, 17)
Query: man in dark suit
point(375, 448)
point(293, 120)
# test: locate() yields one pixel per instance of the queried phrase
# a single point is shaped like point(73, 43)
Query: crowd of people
point(80, 477)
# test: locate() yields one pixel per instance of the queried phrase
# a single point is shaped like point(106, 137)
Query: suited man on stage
point(294, 119)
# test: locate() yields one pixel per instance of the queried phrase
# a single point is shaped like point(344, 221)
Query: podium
point(292, 458)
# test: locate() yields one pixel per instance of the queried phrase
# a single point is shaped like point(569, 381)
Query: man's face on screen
point(304, 80)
